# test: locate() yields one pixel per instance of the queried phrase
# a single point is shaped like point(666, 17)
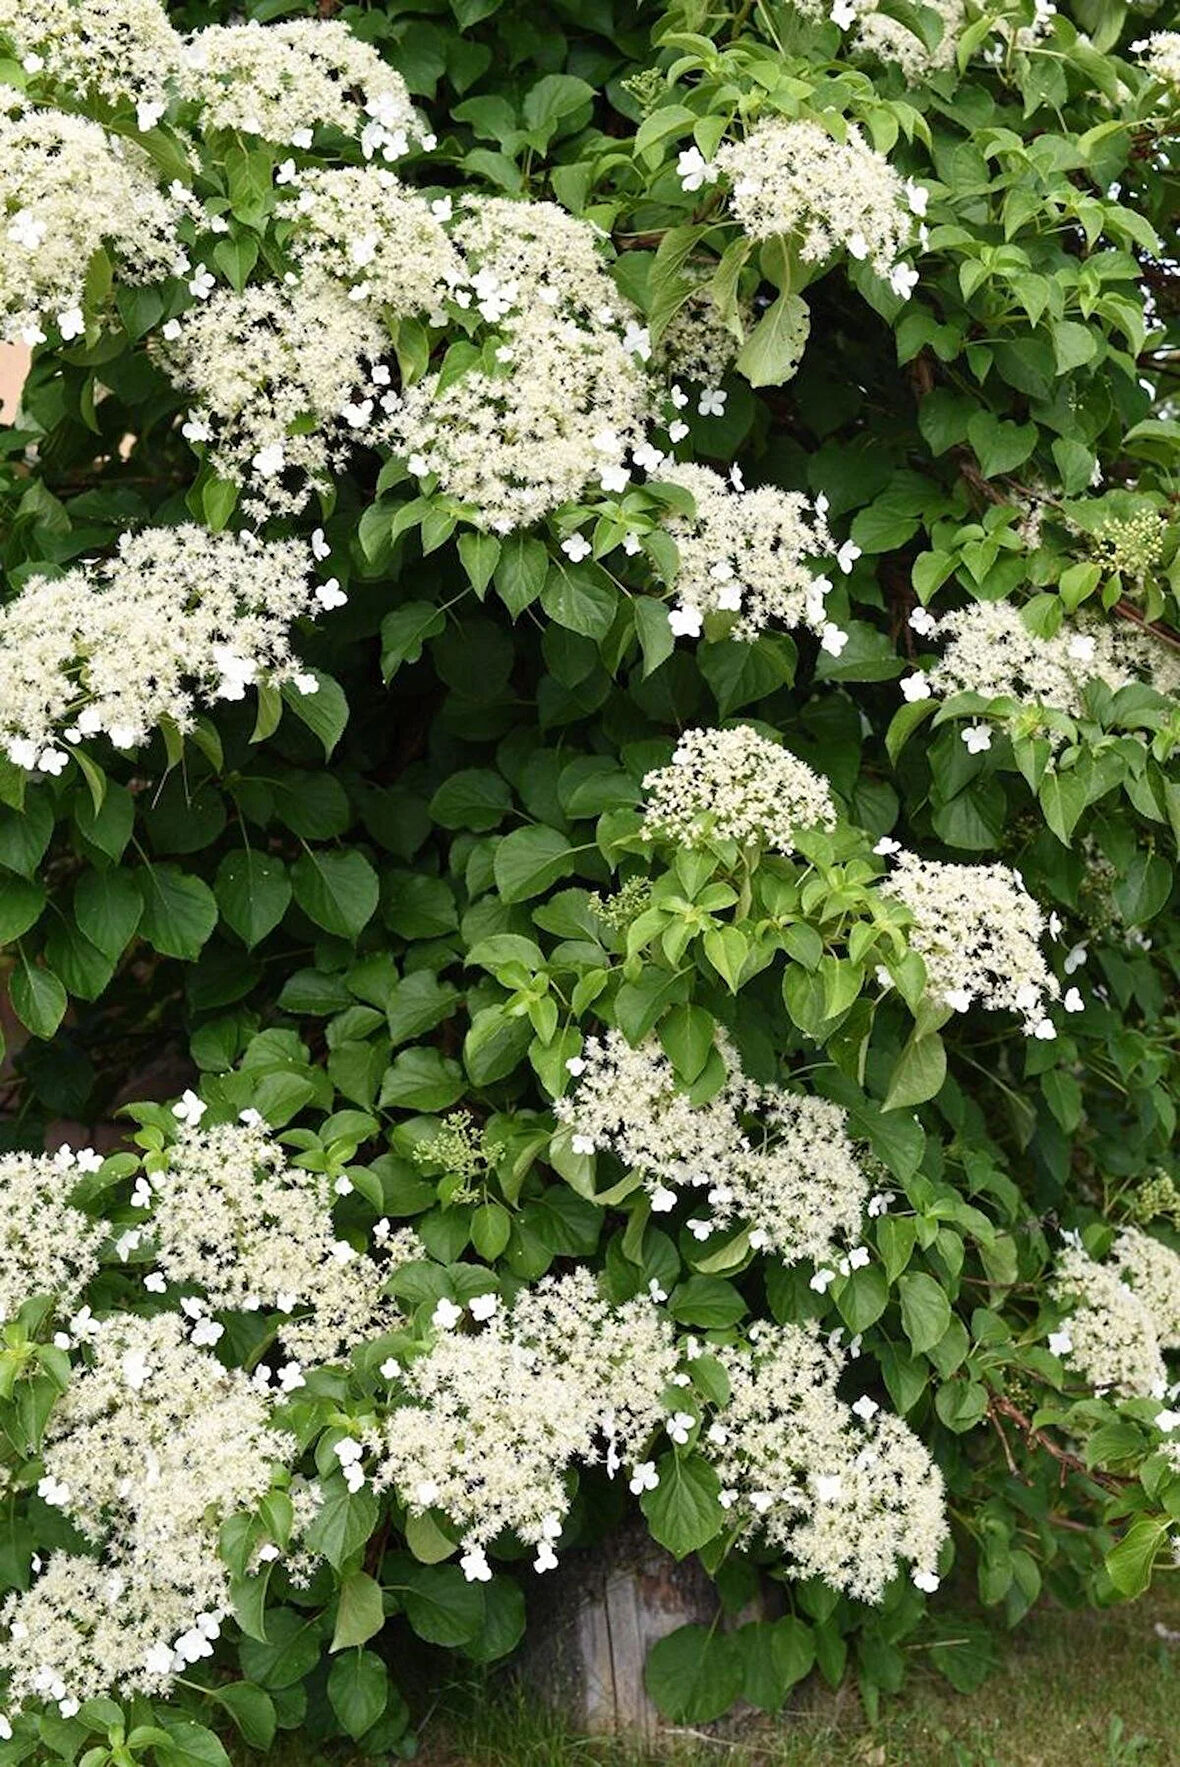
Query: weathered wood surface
point(593, 1621)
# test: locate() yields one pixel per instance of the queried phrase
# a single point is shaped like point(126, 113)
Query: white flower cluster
point(1112, 1335)
point(735, 785)
point(230, 1217)
point(47, 1247)
point(846, 1491)
point(745, 552)
point(149, 1450)
point(555, 394)
point(284, 81)
point(287, 379)
point(876, 33)
point(879, 34)
point(885, 37)
point(1153, 1271)
point(514, 444)
point(1160, 57)
point(493, 1421)
point(793, 178)
point(68, 189)
point(697, 345)
point(518, 253)
point(990, 650)
point(360, 226)
point(114, 50)
point(178, 615)
point(978, 931)
point(794, 1180)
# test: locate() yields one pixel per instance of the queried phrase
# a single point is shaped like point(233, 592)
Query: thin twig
point(1037, 1439)
point(1129, 611)
point(719, 1742)
point(999, 1429)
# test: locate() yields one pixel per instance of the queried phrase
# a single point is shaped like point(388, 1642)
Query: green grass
point(1073, 1690)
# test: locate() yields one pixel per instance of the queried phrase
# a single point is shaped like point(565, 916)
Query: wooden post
point(593, 1621)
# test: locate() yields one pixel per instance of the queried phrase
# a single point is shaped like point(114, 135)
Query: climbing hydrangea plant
point(589, 696)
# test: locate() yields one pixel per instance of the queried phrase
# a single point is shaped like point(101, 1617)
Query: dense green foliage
point(392, 908)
